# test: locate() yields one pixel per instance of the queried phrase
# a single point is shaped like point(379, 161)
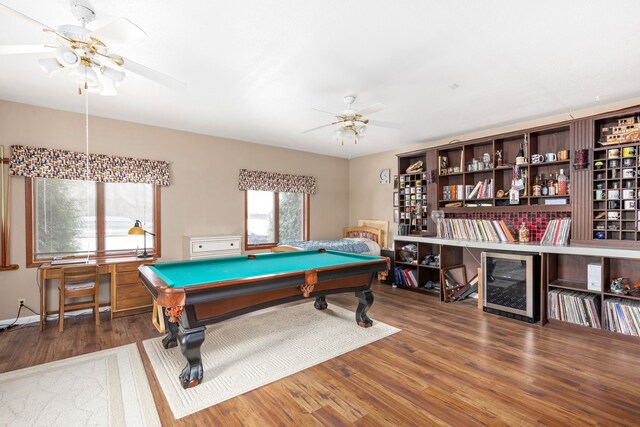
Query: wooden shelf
point(510, 208)
point(573, 285)
point(613, 294)
point(429, 266)
point(412, 264)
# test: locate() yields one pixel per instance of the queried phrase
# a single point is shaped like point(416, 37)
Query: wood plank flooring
point(450, 365)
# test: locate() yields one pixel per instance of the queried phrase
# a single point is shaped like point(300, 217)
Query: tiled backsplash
point(536, 221)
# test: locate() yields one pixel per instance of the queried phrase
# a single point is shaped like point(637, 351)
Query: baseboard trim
point(25, 320)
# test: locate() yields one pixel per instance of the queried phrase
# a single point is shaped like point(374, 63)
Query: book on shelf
point(621, 315)
point(556, 201)
point(557, 232)
point(405, 277)
point(477, 230)
point(576, 307)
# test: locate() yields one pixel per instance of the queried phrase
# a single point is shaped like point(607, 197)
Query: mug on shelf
point(613, 153)
point(628, 194)
point(537, 158)
point(614, 204)
point(628, 162)
point(613, 215)
point(613, 194)
point(599, 194)
point(628, 173)
point(563, 155)
point(550, 157)
point(629, 204)
point(628, 151)
point(614, 163)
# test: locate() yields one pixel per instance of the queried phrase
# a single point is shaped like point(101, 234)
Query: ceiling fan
point(353, 124)
point(85, 53)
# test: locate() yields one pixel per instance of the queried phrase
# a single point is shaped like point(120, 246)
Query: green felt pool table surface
point(197, 272)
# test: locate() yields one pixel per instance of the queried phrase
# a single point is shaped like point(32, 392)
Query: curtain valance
point(35, 162)
point(273, 181)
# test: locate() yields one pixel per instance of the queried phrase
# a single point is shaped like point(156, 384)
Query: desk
point(200, 292)
point(128, 295)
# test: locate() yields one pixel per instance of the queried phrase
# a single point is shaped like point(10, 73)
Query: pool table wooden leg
point(171, 339)
point(321, 303)
point(190, 341)
point(365, 300)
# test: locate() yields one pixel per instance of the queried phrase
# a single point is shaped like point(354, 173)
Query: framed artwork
point(396, 215)
point(395, 199)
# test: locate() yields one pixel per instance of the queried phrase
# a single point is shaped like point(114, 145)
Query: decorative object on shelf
point(384, 176)
point(581, 159)
point(599, 164)
point(498, 158)
point(550, 157)
point(618, 284)
point(628, 130)
point(430, 176)
point(500, 193)
point(395, 199)
point(443, 164)
point(520, 156)
point(415, 167)
point(409, 253)
point(137, 230)
point(600, 235)
point(563, 155)
point(523, 233)
point(396, 216)
point(85, 54)
point(628, 162)
point(537, 158)
point(353, 125)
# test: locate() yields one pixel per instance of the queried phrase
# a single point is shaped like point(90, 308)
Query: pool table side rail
point(167, 296)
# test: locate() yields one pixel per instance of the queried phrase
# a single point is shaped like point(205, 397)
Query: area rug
point(248, 352)
point(105, 388)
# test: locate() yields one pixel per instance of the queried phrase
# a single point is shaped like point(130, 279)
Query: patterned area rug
point(105, 388)
point(248, 352)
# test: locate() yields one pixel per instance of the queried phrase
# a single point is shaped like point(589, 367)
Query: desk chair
point(76, 282)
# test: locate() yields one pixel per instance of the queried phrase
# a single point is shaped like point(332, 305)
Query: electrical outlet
point(22, 301)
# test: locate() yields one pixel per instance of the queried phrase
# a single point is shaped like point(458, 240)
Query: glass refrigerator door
point(506, 284)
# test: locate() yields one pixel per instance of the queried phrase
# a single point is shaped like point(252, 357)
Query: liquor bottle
point(537, 187)
point(551, 188)
point(543, 184)
point(562, 183)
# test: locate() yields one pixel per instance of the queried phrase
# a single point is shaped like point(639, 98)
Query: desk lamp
point(137, 229)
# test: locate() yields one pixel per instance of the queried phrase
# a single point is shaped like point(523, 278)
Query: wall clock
point(385, 176)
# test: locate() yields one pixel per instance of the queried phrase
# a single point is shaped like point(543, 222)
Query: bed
point(362, 240)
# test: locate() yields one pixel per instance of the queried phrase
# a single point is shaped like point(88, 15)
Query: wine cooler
point(511, 285)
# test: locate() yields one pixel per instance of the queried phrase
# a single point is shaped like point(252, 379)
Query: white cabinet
point(200, 247)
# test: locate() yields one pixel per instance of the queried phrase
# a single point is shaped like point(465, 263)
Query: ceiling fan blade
point(371, 109)
point(17, 49)
point(153, 75)
point(118, 30)
point(382, 124)
point(24, 17)
point(323, 126)
point(326, 112)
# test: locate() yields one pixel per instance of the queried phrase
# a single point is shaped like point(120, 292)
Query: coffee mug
point(628, 194)
point(563, 155)
point(628, 162)
point(613, 153)
point(613, 194)
point(537, 158)
point(614, 204)
point(614, 163)
point(628, 173)
point(628, 151)
point(613, 215)
point(599, 194)
point(629, 204)
point(550, 157)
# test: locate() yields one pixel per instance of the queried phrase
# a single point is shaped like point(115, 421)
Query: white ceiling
point(254, 67)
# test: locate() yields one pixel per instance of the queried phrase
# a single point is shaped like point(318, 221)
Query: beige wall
point(369, 199)
point(203, 197)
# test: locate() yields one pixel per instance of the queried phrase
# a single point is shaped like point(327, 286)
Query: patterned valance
point(35, 162)
point(280, 182)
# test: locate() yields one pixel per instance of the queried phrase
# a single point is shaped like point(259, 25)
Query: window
point(275, 217)
point(70, 218)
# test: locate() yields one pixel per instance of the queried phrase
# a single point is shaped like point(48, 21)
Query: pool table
point(201, 292)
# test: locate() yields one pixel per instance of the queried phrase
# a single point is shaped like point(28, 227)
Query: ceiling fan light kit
point(353, 126)
point(85, 55)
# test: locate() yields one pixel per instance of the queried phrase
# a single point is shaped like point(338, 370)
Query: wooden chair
point(76, 282)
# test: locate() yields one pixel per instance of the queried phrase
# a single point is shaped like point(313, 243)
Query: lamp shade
point(50, 66)
point(137, 228)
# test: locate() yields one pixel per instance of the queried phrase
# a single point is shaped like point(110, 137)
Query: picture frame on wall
point(395, 182)
point(396, 215)
point(396, 200)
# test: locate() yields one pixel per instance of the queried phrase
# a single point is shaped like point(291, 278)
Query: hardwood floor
point(450, 365)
